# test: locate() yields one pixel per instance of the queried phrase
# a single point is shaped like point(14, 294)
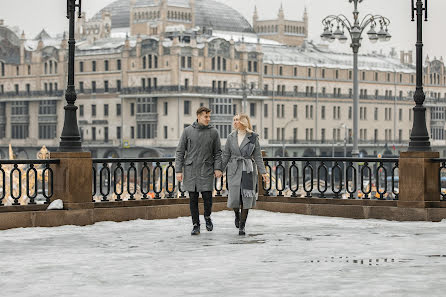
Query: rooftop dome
point(208, 13)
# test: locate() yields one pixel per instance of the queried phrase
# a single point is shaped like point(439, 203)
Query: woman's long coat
point(232, 158)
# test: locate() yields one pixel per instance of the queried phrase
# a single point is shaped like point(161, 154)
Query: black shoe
point(209, 225)
point(237, 220)
point(241, 230)
point(195, 230)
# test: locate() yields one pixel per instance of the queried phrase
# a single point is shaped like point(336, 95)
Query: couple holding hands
point(199, 159)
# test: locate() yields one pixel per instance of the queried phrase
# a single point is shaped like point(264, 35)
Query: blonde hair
point(245, 121)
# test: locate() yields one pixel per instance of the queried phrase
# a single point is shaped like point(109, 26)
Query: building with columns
point(143, 67)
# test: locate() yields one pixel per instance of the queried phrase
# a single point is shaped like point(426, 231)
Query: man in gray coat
point(198, 160)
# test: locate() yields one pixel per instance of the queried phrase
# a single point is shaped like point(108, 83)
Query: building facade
point(144, 66)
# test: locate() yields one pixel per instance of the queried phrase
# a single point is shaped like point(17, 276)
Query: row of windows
point(105, 108)
point(94, 86)
point(336, 134)
point(94, 65)
point(275, 29)
point(310, 73)
point(149, 62)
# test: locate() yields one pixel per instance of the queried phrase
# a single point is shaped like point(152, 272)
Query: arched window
point(51, 66)
point(2, 66)
point(144, 62)
point(46, 68)
point(55, 67)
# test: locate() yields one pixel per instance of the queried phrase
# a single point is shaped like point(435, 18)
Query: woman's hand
point(265, 177)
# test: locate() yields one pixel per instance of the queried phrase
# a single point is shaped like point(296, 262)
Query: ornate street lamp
point(70, 138)
point(335, 27)
point(419, 138)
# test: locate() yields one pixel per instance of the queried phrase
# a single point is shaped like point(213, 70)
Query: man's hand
point(180, 177)
point(218, 173)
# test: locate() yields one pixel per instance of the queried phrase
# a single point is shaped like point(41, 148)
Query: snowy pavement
point(282, 255)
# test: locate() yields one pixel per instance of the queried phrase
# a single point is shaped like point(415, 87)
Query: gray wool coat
point(232, 158)
point(198, 154)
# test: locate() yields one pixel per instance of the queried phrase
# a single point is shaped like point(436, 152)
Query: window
point(280, 71)
point(400, 114)
point(118, 64)
point(349, 112)
point(323, 135)
point(265, 110)
point(118, 85)
point(2, 66)
point(146, 130)
point(93, 110)
point(118, 132)
point(93, 133)
point(375, 117)
point(165, 132)
point(265, 133)
point(118, 109)
point(19, 131)
point(16, 88)
point(295, 111)
point(309, 72)
point(132, 109)
point(187, 107)
point(252, 109)
point(337, 74)
point(106, 86)
point(132, 132)
point(81, 110)
point(295, 135)
point(295, 71)
point(323, 112)
point(93, 86)
point(265, 70)
point(93, 66)
point(106, 110)
point(166, 107)
point(106, 65)
point(350, 75)
point(47, 131)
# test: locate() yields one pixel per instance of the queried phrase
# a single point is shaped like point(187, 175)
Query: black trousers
point(193, 203)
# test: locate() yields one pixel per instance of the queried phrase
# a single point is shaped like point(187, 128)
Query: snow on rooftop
point(311, 55)
point(238, 37)
point(281, 255)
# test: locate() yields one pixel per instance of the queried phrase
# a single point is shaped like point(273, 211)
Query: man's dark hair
point(203, 109)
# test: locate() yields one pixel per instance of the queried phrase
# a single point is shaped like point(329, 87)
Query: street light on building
point(70, 138)
point(335, 27)
point(419, 138)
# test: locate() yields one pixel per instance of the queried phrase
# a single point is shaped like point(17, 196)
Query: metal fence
point(348, 178)
point(24, 182)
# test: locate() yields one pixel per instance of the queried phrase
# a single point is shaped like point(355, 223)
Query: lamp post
point(355, 29)
point(70, 138)
point(419, 138)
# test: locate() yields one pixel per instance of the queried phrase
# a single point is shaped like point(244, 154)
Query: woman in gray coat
point(242, 157)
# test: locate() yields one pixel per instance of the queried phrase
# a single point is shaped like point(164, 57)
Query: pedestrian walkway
point(282, 255)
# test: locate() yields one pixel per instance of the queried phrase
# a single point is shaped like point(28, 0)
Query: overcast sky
point(31, 16)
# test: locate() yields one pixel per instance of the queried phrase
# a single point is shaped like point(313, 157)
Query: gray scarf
point(247, 184)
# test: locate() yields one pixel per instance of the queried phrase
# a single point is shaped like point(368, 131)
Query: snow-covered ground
point(282, 255)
